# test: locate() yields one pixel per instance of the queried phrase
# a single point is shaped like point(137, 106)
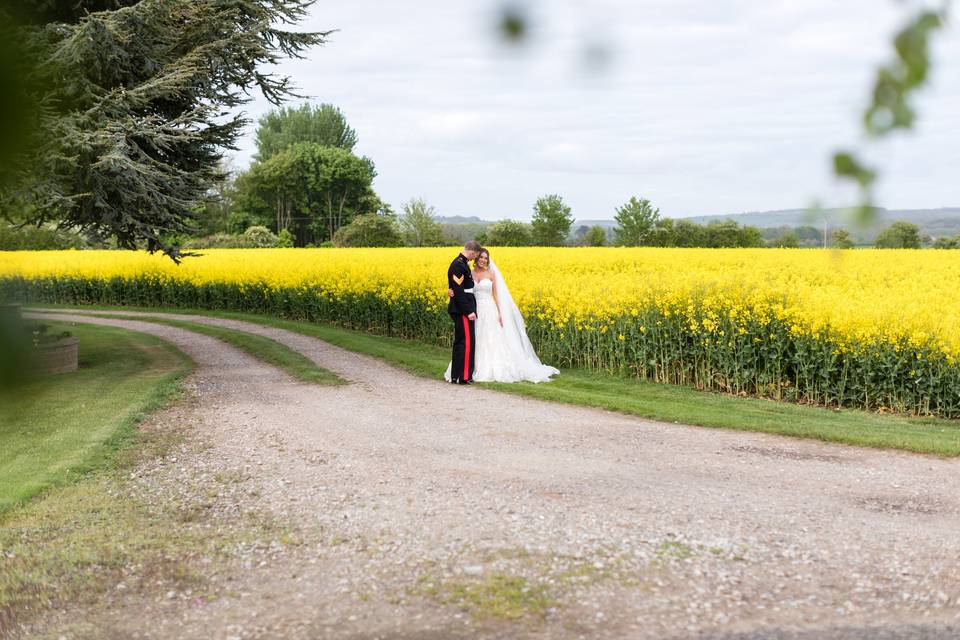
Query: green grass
point(57, 428)
point(260, 347)
point(648, 400)
point(76, 433)
point(498, 596)
point(74, 545)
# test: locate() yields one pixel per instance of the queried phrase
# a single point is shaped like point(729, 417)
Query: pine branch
point(137, 97)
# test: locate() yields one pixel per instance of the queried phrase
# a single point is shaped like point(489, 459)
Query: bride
point(504, 352)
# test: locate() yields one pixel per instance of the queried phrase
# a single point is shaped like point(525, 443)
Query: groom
point(463, 311)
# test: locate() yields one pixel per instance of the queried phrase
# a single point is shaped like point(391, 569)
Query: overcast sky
point(704, 107)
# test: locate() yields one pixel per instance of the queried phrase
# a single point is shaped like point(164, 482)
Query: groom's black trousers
point(464, 348)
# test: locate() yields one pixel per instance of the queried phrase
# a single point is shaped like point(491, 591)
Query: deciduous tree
point(690, 234)
point(663, 233)
point(788, 240)
point(596, 236)
point(899, 235)
point(419, 225)
point(324, 186)
point(635, 221)
point(749, 236)
point(946, 242)
point(509, 233)
point(551, 221)
point(841, 239)
point(324, 124)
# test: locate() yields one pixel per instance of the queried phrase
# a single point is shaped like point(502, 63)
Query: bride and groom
point(490, 338)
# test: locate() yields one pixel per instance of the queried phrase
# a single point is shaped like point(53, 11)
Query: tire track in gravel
point(409, 493)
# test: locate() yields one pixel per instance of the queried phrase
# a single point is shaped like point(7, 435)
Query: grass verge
point(129, 530)
point(55, 429)
point(262, 348)
point(116, 522)
point(645, 399)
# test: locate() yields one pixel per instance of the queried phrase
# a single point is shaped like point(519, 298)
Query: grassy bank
point(148, 534)
point(660, 402)
point(55, 429)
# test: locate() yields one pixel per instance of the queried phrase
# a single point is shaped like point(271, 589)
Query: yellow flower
point(906, 299)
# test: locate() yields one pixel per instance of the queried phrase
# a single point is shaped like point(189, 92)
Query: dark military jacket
point(460, 279)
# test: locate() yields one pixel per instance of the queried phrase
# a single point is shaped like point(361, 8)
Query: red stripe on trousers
point(466, 353)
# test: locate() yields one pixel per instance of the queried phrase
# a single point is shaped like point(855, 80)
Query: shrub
point(509, 233)
point(219, 241)
point(43, 238)
point(260, 237)
point(370, 230)
point(285, 239)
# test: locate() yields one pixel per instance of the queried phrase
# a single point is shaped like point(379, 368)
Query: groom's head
point(471, 250)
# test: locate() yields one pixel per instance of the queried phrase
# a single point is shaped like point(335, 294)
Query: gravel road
point(425, 510)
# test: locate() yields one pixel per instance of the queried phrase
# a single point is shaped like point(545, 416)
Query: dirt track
point(427, 510)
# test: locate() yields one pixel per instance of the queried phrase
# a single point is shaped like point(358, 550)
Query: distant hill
point(463, 220)
point(459, 229)
point(932, 222)
point(949, 217)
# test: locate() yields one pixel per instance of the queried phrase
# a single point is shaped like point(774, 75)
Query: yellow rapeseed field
point(729, 319)
point(862, 294)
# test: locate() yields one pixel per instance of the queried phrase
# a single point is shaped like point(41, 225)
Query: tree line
point(307, 188)
point(115, 116)
point(117, 153)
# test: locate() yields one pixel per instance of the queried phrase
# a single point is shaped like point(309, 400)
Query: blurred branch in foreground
point(891, 106)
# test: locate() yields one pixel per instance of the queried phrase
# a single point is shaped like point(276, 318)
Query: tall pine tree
point(133, 106)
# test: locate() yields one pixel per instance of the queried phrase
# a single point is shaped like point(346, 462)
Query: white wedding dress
point(504, 353)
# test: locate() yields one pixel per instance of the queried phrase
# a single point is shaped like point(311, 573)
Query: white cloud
point(453, 125)
point(711, 107)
